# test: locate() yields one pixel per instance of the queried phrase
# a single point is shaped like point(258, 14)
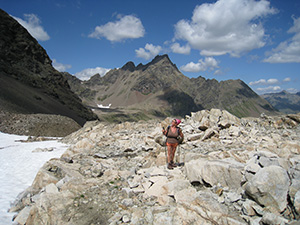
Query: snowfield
point(18, 167)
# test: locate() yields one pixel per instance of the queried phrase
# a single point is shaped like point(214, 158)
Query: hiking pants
point(171, 151)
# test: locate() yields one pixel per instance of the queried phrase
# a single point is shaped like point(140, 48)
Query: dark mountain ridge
point(28, 82)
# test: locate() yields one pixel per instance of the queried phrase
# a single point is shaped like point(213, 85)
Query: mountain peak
point(159, 59)
point(129, 66)
point(284, 92)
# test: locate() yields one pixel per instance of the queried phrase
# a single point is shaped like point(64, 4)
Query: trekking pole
point(178, 155)
point(166, 153)
point(183, 157)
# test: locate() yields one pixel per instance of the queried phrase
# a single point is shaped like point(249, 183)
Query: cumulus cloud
point(271, 81)
point(287, 51)
point(269, 89)
point(89, 72)
point(148, 52)
point(226, 26)
point(59, 66)
point(33, 25)
point(292, 90)
point(258, 82)
point(209, 63)
point(176, 48)
point(127, 27)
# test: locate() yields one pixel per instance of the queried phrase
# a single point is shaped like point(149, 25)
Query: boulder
point(22, 216)
point(211, 132)
point(269, 187)
point(296, 202)
point(175, 186)
point(157, 189)
point(213, 172)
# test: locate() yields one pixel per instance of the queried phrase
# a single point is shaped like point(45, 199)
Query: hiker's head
point(174, 122)
point(177, 121)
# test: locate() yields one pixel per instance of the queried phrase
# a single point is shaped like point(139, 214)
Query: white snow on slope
point(18, 167)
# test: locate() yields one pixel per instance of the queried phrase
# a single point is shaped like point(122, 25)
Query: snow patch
point(19, 164)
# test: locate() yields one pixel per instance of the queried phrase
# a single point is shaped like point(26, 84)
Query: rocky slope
point(159, 88)
point(236, 171)
point(28, 82)
point(45, 125)
point(284, 101)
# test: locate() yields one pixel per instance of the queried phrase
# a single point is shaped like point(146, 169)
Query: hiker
point(174, 137)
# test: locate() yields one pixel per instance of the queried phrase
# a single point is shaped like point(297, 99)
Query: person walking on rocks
point(174, 137)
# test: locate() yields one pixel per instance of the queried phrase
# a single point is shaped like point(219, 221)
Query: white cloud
point(89, 72)
point(209, 63)
point(32, 24)
point(288, 79)
point(287, 51)
point(218, 72)
point(258, 82)
point(176, 48)
point(292, 90)
point(126, 27)
point(148, 52)
point(227, 26)
point(272, 81)
point(264, 82)
point(60, 67)
point(269, 89)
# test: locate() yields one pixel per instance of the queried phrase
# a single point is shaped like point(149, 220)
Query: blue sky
point(255, 41)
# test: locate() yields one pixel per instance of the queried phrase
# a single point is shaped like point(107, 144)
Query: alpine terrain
point(160, 89)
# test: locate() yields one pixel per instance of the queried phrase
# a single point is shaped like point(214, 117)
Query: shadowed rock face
point(28, 82)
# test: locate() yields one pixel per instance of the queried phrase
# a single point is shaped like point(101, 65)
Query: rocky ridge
point(28, 82)
point(284, 101)
point(159, 88)
point(236, 171)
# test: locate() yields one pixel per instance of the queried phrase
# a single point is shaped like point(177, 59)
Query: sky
point(256, 41)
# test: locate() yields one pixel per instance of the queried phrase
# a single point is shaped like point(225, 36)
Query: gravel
point(37, 124)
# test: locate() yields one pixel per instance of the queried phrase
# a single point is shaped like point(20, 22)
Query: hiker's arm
point(180, 133)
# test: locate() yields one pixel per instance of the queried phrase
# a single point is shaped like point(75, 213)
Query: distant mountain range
point(159, 88)
point(28, 82)
point(284, 101)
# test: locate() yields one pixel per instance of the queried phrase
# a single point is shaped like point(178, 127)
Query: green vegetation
point(102, 98)
point(122, 117)
point(121, 92)
point(243, 109)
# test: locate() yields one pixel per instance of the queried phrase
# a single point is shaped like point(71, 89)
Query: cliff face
point(160, 88)
point(28, 82)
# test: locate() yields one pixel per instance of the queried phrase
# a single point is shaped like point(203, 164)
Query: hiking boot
point(170, 167)
point(173, 164)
